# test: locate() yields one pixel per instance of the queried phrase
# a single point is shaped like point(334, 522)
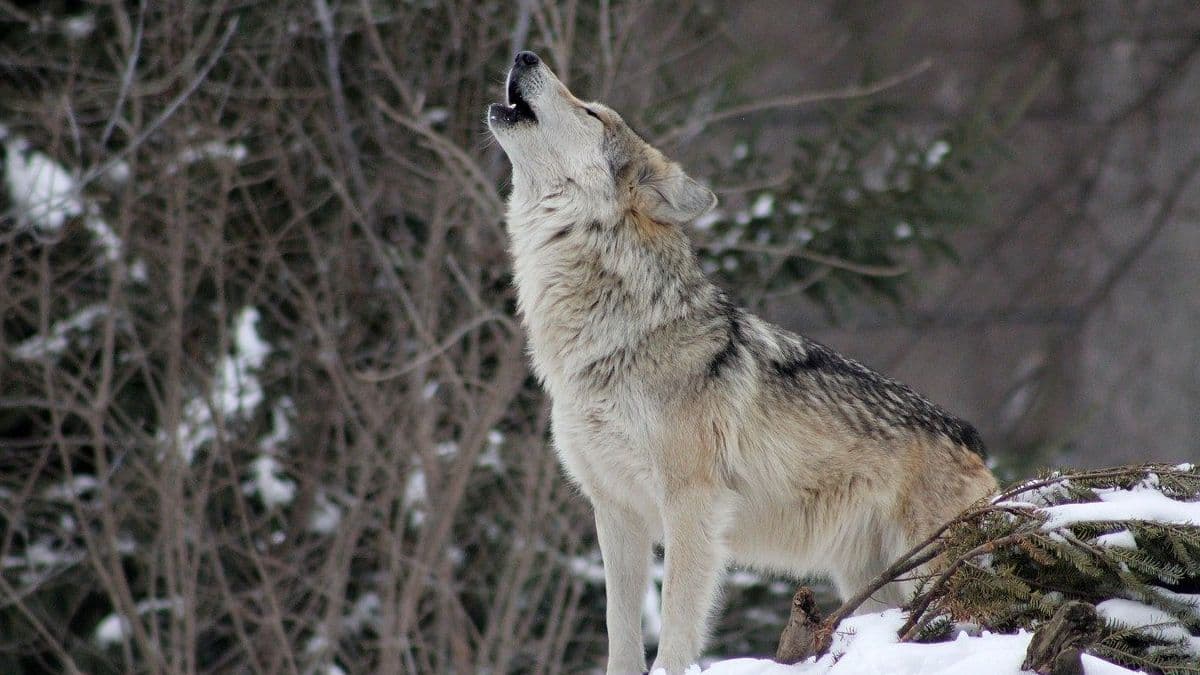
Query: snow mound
point(867, 645)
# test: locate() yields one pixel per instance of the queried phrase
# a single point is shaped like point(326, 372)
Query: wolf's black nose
point(527, 59)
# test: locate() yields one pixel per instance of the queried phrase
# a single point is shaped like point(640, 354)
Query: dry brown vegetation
point(320, 167)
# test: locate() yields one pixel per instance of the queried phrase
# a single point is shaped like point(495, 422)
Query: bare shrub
point(265, 407)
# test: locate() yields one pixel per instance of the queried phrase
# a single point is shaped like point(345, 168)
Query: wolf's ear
point(666, 194)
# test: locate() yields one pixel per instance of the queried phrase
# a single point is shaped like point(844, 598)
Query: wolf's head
point(555, 140)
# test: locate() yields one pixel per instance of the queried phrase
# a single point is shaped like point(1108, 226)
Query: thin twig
point(864, 269)
point(858, 91)
point(448, 342)
point(166, 114)
point(127, 75)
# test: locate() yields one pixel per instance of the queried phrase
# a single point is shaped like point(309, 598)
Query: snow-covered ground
point(867, 645)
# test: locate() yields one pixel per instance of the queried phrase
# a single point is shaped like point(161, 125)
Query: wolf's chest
point(605, 449)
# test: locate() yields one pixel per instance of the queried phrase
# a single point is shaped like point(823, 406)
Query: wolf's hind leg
point(625, 547)
point(864, 559)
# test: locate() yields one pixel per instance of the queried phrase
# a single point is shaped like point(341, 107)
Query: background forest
point(264, 402)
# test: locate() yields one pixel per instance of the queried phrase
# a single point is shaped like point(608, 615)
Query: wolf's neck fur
point(594, 284)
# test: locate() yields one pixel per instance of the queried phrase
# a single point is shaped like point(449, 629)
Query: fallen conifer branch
point(1123, 540)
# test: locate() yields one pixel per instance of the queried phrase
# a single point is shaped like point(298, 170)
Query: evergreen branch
point(908, 630)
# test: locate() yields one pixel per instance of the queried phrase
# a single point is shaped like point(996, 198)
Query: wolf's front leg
point(625, 546)
point(694, 562)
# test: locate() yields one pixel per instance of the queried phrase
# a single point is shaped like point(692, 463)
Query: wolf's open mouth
point(517, 102)
point(516, 108)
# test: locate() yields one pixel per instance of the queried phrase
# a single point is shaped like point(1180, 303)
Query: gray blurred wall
point(1074, 321)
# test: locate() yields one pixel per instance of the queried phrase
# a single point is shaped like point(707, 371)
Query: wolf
point(684, 419)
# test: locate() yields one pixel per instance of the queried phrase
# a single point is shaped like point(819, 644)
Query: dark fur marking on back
point(813, 358)
point(735, 337)
point(891, 403)
point(966, 435)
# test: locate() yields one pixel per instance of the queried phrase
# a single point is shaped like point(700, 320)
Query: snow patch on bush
point(1150, 620)
point(269, 482)
point(44, 194)
point(1140, 503)
point(236, 391)
point(58, 339)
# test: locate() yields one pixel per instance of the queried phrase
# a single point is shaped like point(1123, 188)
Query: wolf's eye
point(592, 113)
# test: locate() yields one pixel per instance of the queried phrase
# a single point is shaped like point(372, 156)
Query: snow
point(113, 628)
point(490, 457)
point(56, 342)
point(936, 153)
point(269, 482)
point(651, 616)
point(236, 390)
point(42, 554)
point(1118, 539)
point(71, 490)
point(79, 27)
point(364, 613)
point(326, 515)
point(764, 206)
point(588, 568)
point(215, 150)
point(1044, 495)
point(867, 645)
point(118, 173)
point(281, 425)
point(44, 194)
point(137, 272)
point(1140, 503)
point(1151, 620)
point(317, 644)
point(414, 496)
point(103, 234)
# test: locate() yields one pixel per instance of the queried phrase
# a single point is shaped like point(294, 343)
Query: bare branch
point(695, 126)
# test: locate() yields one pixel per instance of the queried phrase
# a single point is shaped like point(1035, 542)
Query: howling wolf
point(684, 419)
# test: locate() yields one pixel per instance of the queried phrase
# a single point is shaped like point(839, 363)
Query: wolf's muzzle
point(525, 60)
point(516, 108)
